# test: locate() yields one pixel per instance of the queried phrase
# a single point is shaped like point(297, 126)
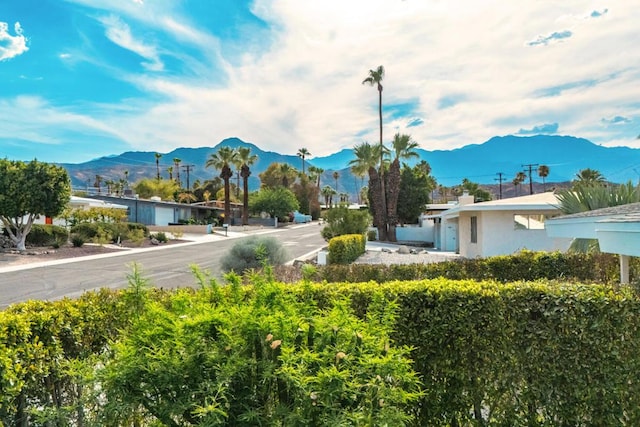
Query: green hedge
point(526, 265)
point(45, 235)
point(514, 354)
point(346, 248)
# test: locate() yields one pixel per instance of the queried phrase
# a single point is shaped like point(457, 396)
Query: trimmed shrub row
point(515, 354)
point(526, 265)
point(346, 248)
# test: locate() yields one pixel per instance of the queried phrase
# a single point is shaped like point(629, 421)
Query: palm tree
point(367, 158)
point(287, 171)
point(246, 159)
point(375, 78)
point(109, 183)
point(176, 163)
point(403, 148)
point(98, 183)
point(158, 156)
point(589, 177)
point(170, 171)
point(221, 160)
point(518, 179)
point(303, 153)
point(543, 172)
point(336, 175)
point(327, 192)
point(359, 171)
point(585, 197)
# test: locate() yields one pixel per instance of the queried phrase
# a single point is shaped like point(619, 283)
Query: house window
point(529, 222)
point(474, 229)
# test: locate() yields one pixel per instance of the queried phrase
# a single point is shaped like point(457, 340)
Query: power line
point(188, 169)
point(530, 166)
point(500, 178)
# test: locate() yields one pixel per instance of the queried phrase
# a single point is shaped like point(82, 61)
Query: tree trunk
point(393, 191)
point(245, 172)
point(226, 176)
point(378, 212)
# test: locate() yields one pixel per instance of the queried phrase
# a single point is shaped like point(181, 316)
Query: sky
point(81, 79)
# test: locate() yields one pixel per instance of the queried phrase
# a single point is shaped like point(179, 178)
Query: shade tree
point(29, 190)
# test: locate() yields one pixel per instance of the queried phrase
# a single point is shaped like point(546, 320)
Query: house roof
point(533, 202)
point(95, 203)
point(614, 211)
point(591, 224)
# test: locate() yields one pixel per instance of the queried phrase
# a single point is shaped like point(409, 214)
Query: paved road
point(165, 267)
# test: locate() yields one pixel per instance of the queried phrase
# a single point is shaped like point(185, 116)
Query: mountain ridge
point(565, 155)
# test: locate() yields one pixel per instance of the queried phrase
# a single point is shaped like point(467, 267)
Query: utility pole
point(500, 178)
point(530, 167)
point(188, 169)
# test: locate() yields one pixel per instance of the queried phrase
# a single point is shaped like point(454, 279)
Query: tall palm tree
point(518, 180)
point(221, 160)
point(246, 159)
point(375, 78)
point(336, 175)
point(287, 171)
point(327, 192)
point(303, 153)
point(98, 183)
point(170, 171)
point(403, 148)
point(176, 164)
point(158, 156)
point(367, 158)
point(589, 177)
point(543, 172)
point(359, 171)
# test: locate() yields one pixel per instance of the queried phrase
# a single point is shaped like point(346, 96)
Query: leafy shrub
point(77, 240)
point(341, 220)
point(132, 226)
point(249, 253)
point(346, 248)
point(106, 232)
point(372, 235)
point(137, 236)
point(160, 236)
point(45, 235)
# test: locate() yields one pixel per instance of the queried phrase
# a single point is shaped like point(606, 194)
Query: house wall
point(497, 235)
point(415, 233)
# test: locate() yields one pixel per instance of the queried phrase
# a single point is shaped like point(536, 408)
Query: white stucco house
point(498, 227)
point(80, 203)
point(617, 230)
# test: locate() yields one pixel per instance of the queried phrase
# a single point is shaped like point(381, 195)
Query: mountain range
point(564, 155)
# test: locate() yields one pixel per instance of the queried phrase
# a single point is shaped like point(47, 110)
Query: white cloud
point(120, 33)
point(12, 46)
point(305, 88)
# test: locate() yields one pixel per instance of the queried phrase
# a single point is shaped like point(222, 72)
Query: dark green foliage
point(132, 226)
point(77, 241)
point(341, 220)
point(113, 231)
point(277, 202)
point(524, 266)
point(415, 188)
point(160, 236)
point(249, 253)
point(46, 235)
point(514, 354)
point(28, 190)
point(346, 248)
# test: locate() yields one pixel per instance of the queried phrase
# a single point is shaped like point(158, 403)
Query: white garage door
point(164, 216)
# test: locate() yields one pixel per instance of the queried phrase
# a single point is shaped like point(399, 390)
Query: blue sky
point(80, 79)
